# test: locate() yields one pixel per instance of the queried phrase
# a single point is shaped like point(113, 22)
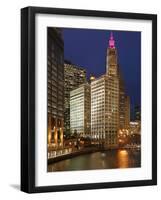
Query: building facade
point(55, 84)
point(105, 110)
point(127, 112)
point(73, 77)
point(122, 98)
point(80, 110)
point(98, 89)
point(124, 106)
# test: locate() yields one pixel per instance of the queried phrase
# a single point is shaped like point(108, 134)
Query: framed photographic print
point(88, 99)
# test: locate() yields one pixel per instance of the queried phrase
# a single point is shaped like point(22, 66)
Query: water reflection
point(123, 159)
point(100, 160)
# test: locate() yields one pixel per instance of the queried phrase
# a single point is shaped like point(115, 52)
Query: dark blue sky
point(87, 48)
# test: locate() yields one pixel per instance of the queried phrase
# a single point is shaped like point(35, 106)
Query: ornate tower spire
point(111, 41)
point(111, 58)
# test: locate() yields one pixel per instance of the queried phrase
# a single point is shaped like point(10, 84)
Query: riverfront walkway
point(54, 156)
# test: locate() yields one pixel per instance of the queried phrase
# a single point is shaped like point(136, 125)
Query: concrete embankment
point(71, 155)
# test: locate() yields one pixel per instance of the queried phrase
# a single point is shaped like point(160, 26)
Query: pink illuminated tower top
point(111, 41)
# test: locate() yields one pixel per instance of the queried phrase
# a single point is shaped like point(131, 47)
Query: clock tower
point(111, 59)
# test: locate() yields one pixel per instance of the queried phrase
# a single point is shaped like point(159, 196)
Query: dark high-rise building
point(124, 105)
point(127, 112)
point(121, 102)
point(73, 77)
point(55, 84)
point(137, 113)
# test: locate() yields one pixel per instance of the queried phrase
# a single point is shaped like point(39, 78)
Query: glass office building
point(73, 77)
point(80, 110)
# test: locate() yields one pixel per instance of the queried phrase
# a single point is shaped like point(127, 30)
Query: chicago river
point(111, 159)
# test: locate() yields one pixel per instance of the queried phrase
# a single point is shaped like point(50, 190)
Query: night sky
point(87, 48)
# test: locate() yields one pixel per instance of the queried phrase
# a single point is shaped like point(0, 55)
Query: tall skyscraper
point(113, 69)
point(55, 83)
point(105, 100)
point(73, 77)
point(80, 110)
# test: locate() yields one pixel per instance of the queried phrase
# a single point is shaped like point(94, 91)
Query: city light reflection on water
point(100, 160)
point(123, 159)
